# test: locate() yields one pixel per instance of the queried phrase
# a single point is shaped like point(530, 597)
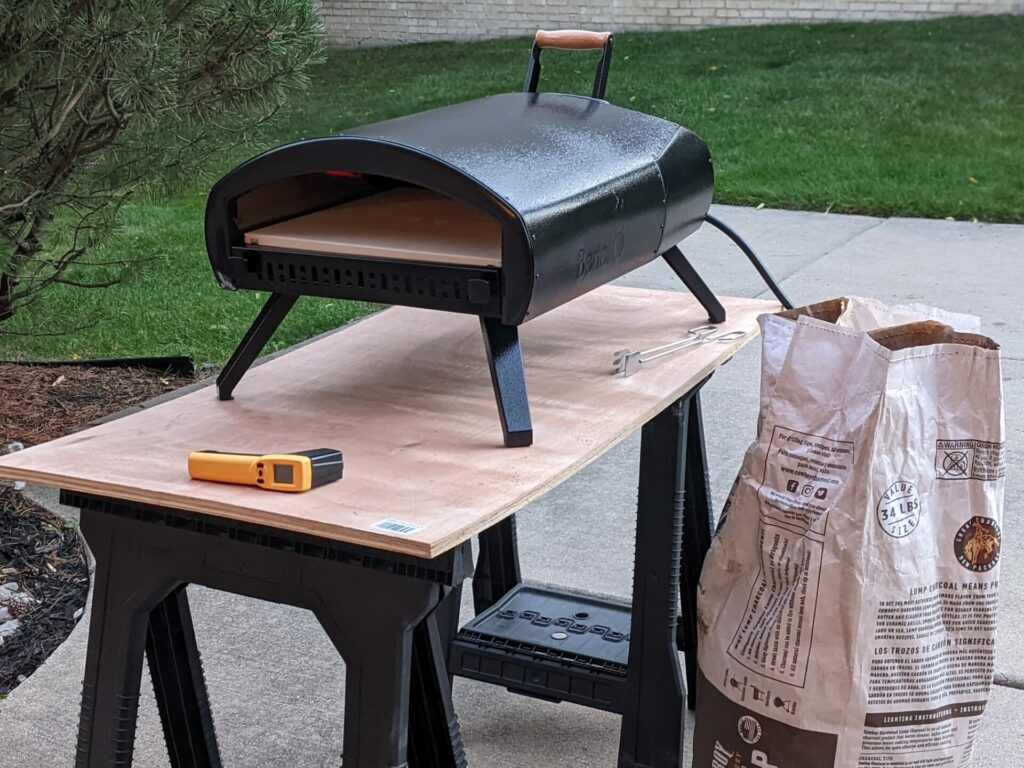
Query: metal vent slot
point(434, 286)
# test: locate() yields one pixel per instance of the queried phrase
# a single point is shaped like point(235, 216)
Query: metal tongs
point(627, 361)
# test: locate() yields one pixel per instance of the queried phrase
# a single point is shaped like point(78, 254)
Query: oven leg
point(696, 285)
point(505, 359)
point(259, 333)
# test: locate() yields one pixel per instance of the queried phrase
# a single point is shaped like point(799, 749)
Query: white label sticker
point(399, 527)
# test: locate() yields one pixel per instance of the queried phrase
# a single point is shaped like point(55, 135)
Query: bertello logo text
point(591, 260)
point(595, 258)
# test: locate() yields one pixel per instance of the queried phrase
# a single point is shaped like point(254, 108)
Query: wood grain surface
point(407, 396)
point(407, 224)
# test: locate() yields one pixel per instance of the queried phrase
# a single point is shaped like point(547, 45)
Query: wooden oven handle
point(571, 39)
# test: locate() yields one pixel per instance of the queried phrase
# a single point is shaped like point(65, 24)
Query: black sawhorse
point(378, 609)
point(561, 645)
point(405, 611)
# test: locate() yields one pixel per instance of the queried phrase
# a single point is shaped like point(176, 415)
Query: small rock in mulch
point(45, 578)
point(41, 403)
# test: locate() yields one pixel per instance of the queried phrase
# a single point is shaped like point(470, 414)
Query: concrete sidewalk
point(276, 682)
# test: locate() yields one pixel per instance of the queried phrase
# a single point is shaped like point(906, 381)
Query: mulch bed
point(42, 403)
point(44, 555)
point(41, 552)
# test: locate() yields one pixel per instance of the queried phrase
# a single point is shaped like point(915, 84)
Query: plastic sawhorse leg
point(125, 594)
point(652, 716)
point(398, 710)
point(435, 740)
point(497, 564)
point(698, 526)
point(180, 685)
point(396, 681)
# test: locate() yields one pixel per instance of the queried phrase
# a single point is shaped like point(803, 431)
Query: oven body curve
point(585, 191)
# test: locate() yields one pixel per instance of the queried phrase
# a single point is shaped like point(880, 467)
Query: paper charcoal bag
point(847, 607)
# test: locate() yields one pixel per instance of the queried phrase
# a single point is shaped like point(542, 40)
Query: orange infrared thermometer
point(288, 472)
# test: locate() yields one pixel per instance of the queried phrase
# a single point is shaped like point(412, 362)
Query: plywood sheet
point(407, 224)
point(407, 396)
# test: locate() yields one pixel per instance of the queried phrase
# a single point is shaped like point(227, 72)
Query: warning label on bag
point(774, 636)
point(969, 460)
point(802, 476)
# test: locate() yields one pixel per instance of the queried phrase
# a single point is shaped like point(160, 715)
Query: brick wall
point(365, 22)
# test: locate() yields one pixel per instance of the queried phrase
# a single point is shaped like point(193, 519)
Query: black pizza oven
point(580, 192)
point(503, 207)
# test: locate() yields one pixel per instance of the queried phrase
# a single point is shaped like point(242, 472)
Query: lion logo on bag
point(977, 544)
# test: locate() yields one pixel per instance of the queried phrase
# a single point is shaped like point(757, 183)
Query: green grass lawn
point(914, 119)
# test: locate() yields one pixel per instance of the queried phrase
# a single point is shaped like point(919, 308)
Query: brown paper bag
point(848, 604)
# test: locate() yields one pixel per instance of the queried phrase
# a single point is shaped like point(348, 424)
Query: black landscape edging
point(176, 365)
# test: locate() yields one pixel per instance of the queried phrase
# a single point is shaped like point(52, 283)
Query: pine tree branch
point(108, 96)
point(50, 135)
point(78, 284)
point(22, 203)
